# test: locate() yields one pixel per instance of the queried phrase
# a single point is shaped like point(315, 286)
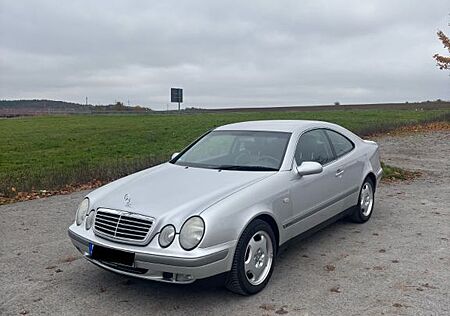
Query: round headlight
point(90, 220)
point(81, 211)
point(166, 236)
point(192, 233)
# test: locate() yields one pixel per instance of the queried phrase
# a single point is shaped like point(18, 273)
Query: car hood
point(171, 191)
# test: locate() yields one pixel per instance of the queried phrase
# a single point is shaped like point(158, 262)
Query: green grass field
point(49, 152)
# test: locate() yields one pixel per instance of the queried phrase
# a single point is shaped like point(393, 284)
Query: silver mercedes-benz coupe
point(228, 201)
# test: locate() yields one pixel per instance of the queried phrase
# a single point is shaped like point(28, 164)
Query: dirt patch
point(412, 129)
point(34, 195)
point(393, 174)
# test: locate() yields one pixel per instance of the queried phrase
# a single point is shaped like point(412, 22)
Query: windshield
point(236, 150)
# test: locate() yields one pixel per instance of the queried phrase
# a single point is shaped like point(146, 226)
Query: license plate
point(111, 255)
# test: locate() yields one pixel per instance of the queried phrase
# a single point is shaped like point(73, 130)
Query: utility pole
point(86, 101)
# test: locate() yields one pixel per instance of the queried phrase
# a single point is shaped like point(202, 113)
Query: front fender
point(225, 221)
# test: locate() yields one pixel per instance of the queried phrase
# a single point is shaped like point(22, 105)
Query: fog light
point(184, 277)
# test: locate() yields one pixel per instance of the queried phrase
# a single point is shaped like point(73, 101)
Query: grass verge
point(391, 174)
point(40, 155)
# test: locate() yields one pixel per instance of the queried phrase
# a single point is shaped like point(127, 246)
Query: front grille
point(122, 226)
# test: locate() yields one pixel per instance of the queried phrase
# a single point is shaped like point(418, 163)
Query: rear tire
point(253, 260)
point(366, 202)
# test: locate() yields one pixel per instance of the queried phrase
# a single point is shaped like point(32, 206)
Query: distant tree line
point(40, 107)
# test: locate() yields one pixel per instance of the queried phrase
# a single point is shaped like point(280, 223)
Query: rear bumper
point(379, 174)
point(159, 267)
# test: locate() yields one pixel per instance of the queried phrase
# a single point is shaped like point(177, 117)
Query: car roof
point(289, 126)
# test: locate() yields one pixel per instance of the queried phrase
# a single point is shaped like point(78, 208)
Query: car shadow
point(211, 288)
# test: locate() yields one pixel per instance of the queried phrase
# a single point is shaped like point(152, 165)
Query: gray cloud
point(229, 53)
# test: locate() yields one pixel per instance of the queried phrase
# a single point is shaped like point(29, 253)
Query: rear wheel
point(253, 260)
point(366, 202)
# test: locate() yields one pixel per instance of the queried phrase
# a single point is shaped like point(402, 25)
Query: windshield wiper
point(245, 168)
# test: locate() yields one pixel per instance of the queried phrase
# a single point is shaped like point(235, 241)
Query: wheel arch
point(373, 178)
point(269, 219)
point(273, 224)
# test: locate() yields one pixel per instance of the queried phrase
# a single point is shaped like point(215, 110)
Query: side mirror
point(174, 155)
point(309, 167)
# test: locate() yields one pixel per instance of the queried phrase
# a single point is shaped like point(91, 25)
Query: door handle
point(339, 172)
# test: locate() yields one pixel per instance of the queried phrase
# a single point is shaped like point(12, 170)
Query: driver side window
point(314, 146)
point(217, 146)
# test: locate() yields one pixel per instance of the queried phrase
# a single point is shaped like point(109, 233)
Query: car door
point(313, 197)
point(348, 167)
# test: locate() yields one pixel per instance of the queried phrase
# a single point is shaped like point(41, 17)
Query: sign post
point(176, 96)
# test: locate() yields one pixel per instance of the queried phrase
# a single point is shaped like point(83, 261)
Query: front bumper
point(152, 265)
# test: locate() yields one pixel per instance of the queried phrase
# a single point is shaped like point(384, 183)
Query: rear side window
point(341, 144)
point(313, 146)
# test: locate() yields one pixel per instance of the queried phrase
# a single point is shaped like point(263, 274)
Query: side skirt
point(316, 228)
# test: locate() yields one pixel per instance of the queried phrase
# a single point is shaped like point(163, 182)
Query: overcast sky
point(223, 53)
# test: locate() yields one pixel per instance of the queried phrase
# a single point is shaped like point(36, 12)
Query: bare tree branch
point(443, 62)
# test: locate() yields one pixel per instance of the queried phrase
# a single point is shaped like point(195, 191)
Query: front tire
point(253, 260)
point(364, 209)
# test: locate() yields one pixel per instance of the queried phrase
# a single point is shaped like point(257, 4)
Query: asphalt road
point(397, 263)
